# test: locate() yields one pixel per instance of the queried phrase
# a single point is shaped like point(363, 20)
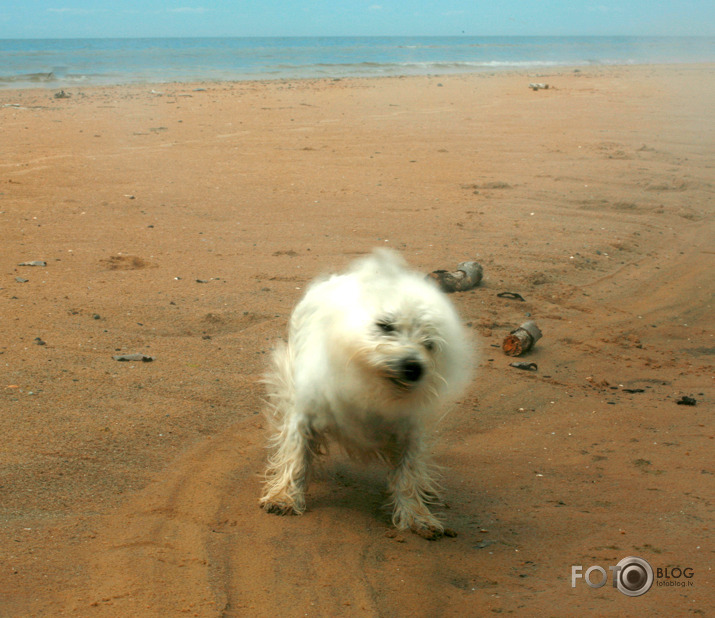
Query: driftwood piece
point(467, 276)
point(33, 263)
point(522, 339)
point(127, 358)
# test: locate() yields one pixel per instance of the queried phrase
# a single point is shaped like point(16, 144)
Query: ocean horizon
point(63, 63)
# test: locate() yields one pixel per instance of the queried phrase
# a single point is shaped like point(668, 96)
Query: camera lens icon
point(634, 576)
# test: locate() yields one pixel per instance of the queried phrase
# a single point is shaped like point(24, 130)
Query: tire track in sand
point(194, 542)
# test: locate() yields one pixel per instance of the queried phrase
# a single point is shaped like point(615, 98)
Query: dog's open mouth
point(401, 384)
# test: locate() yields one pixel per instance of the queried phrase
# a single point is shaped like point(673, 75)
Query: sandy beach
point(183, 222)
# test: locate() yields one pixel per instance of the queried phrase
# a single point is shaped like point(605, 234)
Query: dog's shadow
point(349, 486)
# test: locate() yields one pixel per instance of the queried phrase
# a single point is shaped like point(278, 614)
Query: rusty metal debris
point(521, 339)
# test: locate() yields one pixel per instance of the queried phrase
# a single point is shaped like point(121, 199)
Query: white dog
point(371, 355)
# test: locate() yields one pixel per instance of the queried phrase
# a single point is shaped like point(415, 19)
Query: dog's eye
point(386, 327)
point(428, 344)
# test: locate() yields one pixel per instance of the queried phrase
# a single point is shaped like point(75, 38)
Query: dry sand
point(184, 221)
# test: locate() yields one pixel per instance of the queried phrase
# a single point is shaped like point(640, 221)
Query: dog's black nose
point(411, 370)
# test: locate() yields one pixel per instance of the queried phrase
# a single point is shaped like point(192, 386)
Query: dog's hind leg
point(289, 469)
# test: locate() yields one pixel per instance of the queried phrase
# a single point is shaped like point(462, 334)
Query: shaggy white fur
point(371, 356)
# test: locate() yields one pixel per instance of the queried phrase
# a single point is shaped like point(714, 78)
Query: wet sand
point(184, 221)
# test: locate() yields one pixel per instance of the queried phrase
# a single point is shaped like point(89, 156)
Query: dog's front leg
point(289, 469)
point(413, 487)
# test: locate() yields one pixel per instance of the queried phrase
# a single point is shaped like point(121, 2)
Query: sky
point(163, 18)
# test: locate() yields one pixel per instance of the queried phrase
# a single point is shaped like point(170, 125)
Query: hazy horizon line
point(366, 36)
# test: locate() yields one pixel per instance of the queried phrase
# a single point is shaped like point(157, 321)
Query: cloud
point(602, 8)
point(375, 7)
point(71, 11)
point(189, 9)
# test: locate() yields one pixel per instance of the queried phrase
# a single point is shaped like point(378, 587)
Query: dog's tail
point(279, 384)
point(382, 262)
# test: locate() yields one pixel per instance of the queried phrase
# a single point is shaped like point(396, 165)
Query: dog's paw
point(279, 508)
point(432, 533)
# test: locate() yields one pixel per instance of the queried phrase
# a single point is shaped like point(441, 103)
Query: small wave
point(434, 65)
point(36, 78)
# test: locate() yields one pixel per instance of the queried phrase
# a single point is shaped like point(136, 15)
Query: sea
point(55, 63)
